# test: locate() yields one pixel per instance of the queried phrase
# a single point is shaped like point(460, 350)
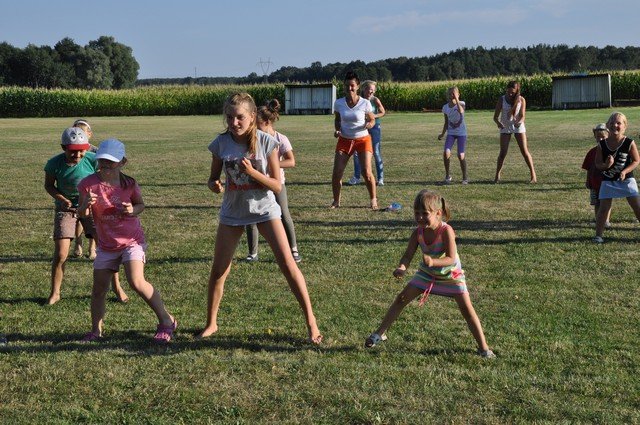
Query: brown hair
point(270, 112)
point(514, 85)
point(427, 200)
point(351, 75)
point(247, 101)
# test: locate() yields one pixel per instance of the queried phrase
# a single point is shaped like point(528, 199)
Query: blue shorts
point(462, 143)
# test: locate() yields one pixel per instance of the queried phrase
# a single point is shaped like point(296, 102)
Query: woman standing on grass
point(616, 157)
point(368, 92)
point(250, 160)
point(509, 117)
point(353, 119)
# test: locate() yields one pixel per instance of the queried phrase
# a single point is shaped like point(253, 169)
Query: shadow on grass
point(140, 343)
point(17, 209)
point(195, 184)
point(42, 300)
point(37, 259)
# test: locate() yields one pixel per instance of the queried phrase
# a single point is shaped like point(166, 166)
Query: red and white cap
point(75, 139)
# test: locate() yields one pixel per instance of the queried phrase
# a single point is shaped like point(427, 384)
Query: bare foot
point(92, 255)
point(77, 251)
point(374, 204)
point(533, 181)
point(315, 337)
point(207, 332)
point(122, 297)
point(53, 299)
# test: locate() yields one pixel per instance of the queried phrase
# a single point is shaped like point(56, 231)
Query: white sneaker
point(380, 182)
point(598, 239)
point(607, 225)
point(447, 180)
point(486, 354)
point(465, 181)
point(353, 181)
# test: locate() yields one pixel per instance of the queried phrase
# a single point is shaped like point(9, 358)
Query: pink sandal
point(164, 333)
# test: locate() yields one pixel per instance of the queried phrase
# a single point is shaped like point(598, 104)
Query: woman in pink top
point(115, 201)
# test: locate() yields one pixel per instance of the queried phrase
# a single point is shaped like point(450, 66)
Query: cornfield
point(208, 100)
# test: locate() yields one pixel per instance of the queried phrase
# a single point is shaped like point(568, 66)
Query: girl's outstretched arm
point(270, 181)
point(408, 255)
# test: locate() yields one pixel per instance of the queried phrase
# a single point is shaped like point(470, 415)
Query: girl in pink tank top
point(439, 272)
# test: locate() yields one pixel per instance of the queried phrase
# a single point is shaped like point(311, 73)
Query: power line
point(265, 65)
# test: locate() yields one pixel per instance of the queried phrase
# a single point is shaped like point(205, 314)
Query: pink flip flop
point(164, 333)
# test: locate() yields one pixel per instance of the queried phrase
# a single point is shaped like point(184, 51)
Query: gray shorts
point(64, 225)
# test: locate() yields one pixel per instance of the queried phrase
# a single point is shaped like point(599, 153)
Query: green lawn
point(560, 312)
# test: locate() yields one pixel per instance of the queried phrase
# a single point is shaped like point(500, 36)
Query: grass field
point(560, 312)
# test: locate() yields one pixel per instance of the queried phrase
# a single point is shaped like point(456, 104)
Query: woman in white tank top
point(509, 117)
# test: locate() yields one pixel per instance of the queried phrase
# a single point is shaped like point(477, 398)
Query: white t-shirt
point(456, 124)
point(245, 200)
point(352, 119)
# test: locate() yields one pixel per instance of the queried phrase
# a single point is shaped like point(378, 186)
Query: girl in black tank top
point(616, 158)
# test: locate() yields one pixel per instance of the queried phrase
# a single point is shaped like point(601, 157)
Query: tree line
point(465, 63)
point(107, 64)
point(101, 64)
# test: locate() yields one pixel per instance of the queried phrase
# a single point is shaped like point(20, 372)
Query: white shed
point(309, 99)
point(581, 91)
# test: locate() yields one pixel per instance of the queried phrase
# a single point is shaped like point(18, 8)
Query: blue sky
point(229, 38)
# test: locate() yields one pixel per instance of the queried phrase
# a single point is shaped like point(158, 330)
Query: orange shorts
point(349, 146)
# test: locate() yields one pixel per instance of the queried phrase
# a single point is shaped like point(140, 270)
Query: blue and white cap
point(111, 149)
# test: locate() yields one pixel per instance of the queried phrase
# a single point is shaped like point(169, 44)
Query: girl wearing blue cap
point(115, 201)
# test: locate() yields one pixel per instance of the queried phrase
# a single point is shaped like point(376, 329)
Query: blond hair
point(245, 100)
point(365, 85)
point(427, 200)
point(613, 117)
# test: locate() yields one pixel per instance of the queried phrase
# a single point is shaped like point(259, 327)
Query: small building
point(309, 99)
point(581, 91)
